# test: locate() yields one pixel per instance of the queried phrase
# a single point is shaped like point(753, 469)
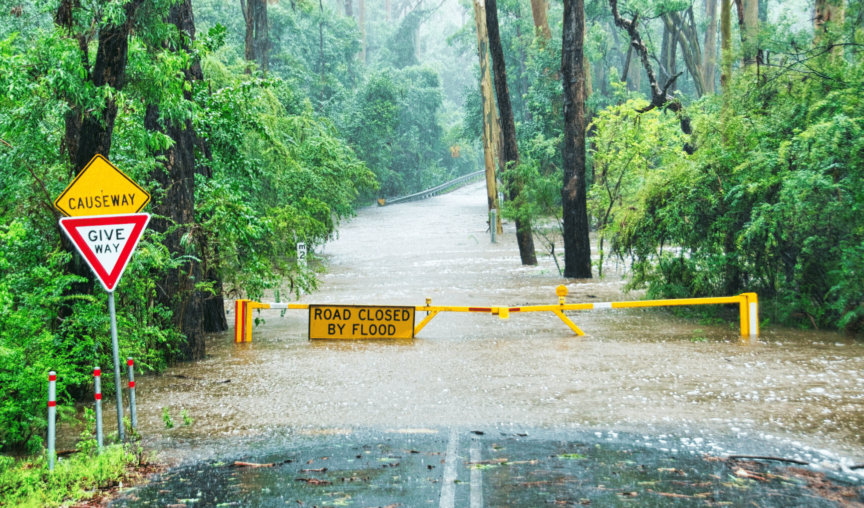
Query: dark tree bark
point(175, 213)
point(577, 245)
point(214, 303)
point(508, 127)
point(112, 56)
point(257, 32)
point(64, 17)
point(175, 217)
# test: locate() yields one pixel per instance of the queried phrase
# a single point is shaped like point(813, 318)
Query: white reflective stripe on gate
point(278, 305)
point(601, 305)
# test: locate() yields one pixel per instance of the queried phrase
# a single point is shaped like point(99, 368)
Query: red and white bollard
point(97, 381)
point(52, 416)
point(132, 412)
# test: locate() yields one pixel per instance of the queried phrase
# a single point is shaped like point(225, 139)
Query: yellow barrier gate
point(748, 306)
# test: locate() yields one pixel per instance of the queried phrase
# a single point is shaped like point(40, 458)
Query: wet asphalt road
point(471, 469)
point(639, 374)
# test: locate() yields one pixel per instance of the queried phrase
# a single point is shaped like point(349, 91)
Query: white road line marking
point(448, 488)
point(476, 477)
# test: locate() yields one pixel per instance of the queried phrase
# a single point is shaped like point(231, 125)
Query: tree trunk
point(668, 58)
point(65, 18)
point(763, 11)
point(349, 10)
point(490, 116)
point(112, 56)
point(175, 217)
point(361, 6)
point(175, 213)
point(213, 316)
point(257, 33)
point(634, 74)
point(725, 45)
point(827, 11)
point(508, 127)
point(541, 23)
point(684, 33)
point(750, 35)
point(710, 56)
point(577, 245)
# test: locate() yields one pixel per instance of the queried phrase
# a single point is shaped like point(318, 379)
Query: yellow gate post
point(239, 319)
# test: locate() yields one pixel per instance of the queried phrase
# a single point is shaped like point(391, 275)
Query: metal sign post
point(116, 350)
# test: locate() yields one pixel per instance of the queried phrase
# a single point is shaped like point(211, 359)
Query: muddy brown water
point(644, 372)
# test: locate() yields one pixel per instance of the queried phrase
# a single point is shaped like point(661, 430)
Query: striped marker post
point(97, 382)
point(52, 416)
point(132, 413)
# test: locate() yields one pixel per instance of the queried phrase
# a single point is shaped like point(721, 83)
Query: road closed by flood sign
point(360, 322)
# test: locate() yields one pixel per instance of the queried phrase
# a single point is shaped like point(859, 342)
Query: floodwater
point(646, 373)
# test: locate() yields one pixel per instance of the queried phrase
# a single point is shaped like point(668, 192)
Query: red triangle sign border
point(109, 281)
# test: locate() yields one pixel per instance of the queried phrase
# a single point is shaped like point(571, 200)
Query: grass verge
point(81, 478)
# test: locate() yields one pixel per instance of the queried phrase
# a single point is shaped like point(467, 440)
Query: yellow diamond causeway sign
point(101, 189)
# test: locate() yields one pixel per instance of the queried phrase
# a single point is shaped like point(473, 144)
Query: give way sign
point(106, 242)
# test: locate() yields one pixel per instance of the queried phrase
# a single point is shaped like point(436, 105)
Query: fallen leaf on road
point(355, 479)
point(743, 473)
point(669, 494)
point(493, 462)
point(313, 481)
point(628, 494)
point(322, 470)
point(252, 464)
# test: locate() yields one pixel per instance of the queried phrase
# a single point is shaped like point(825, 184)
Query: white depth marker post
point(493, 223)
point(52, 416)
point(132, 413)
point(97, 382)
point(301, 253)
point(116, 348)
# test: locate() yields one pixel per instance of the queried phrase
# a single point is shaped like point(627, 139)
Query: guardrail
point(748, 307)
point(434, 191)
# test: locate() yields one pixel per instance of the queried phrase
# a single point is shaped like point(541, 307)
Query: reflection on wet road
point(646, 372)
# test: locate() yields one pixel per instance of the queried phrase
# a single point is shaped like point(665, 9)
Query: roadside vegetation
point(27, 483)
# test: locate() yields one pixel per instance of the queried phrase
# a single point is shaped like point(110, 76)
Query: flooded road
point(646, 373)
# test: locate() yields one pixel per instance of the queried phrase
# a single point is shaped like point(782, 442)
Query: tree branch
point(659, 99)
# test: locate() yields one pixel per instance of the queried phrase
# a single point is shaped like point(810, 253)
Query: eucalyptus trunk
point(508, 127)
point(710, 56)
point(577, 245)
point(490, 115)
point(541, 22)
point(361, 7)
point(112, 57)
point(750, 35)
point(257, 41)
point(827, 12)
point(725, 45)
point(174, 212)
